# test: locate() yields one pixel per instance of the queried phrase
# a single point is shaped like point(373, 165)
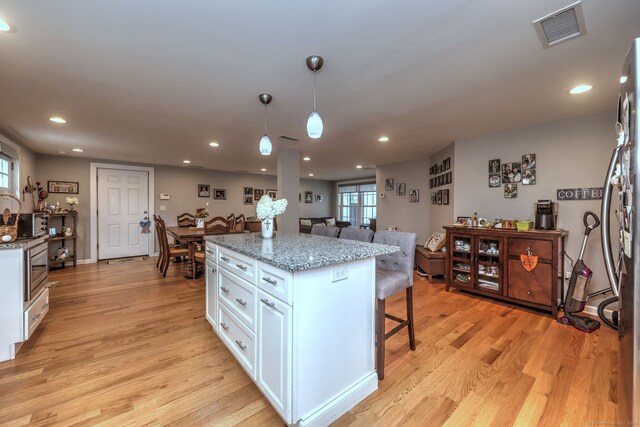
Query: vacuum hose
point(601, 307)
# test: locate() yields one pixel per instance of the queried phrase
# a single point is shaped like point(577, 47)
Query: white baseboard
point(85, 261)
point(342, 403)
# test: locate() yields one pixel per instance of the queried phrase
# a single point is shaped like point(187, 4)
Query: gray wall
point(570, 153)
point(394, 210)
point(440, 215)
point(181, 183)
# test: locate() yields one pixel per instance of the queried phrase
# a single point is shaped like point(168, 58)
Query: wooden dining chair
point(186, 220)
point(217, 225)
point(169, 253)
point(232, 221)
point(159, 238)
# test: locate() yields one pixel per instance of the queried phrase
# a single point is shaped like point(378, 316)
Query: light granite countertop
point(295, 252)
point(22, 243)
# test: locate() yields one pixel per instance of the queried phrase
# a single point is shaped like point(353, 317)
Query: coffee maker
point(546, 212)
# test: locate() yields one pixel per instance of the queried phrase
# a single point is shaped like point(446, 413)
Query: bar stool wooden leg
point(380, 338)
point(412, 336)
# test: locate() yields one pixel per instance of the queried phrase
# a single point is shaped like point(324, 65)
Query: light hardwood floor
point(123, 346)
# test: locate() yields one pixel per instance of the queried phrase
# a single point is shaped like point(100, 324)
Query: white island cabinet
point(18, 318)
point(298, 313)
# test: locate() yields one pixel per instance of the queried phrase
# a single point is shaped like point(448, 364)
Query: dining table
point(191, 237)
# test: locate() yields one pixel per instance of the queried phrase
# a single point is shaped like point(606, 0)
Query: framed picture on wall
point(447, 163)
point(414, 196)
point(494, 166)
point(433, 198)
point(204, 190)
point(445, 197)
point(494, 180)
point(319, 198)
point(272, 193)
point(67, 187)
point(528, 177)
point(257, 194)
point(529, 161)
point(308, 197)
point(402, 189)
point(388, 184)
point(510, 191)
point(247, 200)
point(219, 194)
point(439, 197)
point(248, 191)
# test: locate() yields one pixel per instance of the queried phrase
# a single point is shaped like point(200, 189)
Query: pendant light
point(314, 123)
point(265, 142)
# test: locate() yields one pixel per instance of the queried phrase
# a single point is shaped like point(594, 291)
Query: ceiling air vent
point(562, 25)
point(288, 138)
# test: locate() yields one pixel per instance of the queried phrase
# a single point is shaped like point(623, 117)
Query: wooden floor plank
point(123, 346)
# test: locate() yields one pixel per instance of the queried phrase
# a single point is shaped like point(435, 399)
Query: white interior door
point(123, 201)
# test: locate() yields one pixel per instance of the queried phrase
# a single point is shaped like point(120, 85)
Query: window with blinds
point(357, 203)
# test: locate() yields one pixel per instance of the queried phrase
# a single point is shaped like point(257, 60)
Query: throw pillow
point(330, 221)
point(436, 241)
point(305, 222)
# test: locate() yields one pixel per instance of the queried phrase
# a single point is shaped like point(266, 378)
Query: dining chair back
point(360, 234)
point(217, 225)
point(239, 223)
point(325, 230)
point(167, 252)
point(394, 273)
point(186, 220)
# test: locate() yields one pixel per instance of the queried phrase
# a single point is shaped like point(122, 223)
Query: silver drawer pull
point(225, 290)
point(241, 301)
point(266, 301)
point(224, 258)
point(242, 346)
point(45, 306)
point(270, 280)
point(36, 317)
point(242, 267)
point(224, 326)
point(213, 270)
point(209, 251)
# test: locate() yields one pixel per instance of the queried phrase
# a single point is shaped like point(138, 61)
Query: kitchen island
point(298, 314)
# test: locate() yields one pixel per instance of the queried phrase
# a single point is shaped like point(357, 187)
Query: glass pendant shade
point(315, 126)
point(265, 146)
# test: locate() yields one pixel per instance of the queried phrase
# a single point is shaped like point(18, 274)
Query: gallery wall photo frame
point(389, 184)
point(402, 189)
point(319, 198)
point(414, 196)
point(204, 190)
point(64, 187)
point(219, 194)
point(439, 197)
point(308, 196)
point(433, 198)
point(445, 197)
point(247, 200)
point(273, 194)
point(257, 194)
point(247, 191)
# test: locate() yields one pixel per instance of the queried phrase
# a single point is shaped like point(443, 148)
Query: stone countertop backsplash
point(295, 252)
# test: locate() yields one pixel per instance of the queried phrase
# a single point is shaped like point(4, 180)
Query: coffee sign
point(594, 193)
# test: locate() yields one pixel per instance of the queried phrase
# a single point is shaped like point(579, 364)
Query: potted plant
point(266, 210)
point(201, 214)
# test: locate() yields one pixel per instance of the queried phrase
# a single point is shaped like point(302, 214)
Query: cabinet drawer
point(239, 296)
point(35, 313)
point(275, 282)
point(534, 286)
point(211, 252)
point(240, 340)
point(241, 265)
point(542, 248)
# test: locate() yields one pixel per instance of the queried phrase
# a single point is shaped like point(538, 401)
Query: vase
point(199, 222)
point(267, 228)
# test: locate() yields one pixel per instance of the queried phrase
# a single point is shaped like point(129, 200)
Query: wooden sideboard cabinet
point(487, 262)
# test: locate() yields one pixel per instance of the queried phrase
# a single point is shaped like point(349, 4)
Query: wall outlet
point(163, 208)
point(340, 272)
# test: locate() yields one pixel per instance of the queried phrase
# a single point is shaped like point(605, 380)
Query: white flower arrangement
point(267, 208)
point(72, 200)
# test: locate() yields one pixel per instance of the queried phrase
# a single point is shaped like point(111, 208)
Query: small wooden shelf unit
point(58, 220)
point(487, 262)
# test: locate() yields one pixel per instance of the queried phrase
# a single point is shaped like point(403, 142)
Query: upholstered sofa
point(310, 222)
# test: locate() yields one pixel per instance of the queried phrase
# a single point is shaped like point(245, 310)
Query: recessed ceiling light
point(77, 150)
point(214, 144)
point(623, 79)
point(383, 139)
point(310, 174)
point(186, 161)
point(359, 167)
point(580, 89)
point(58, 120)
point(4, 26)
point(263, 169)
point(306, 159)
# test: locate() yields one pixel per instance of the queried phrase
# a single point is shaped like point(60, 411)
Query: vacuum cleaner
point(578, 291)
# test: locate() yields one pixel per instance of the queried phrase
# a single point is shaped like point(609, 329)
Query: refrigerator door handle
point(605, 214)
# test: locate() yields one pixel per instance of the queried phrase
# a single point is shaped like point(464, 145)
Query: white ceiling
point(154, 81)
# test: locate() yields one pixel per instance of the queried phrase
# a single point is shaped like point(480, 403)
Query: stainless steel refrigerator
point(621, 243)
